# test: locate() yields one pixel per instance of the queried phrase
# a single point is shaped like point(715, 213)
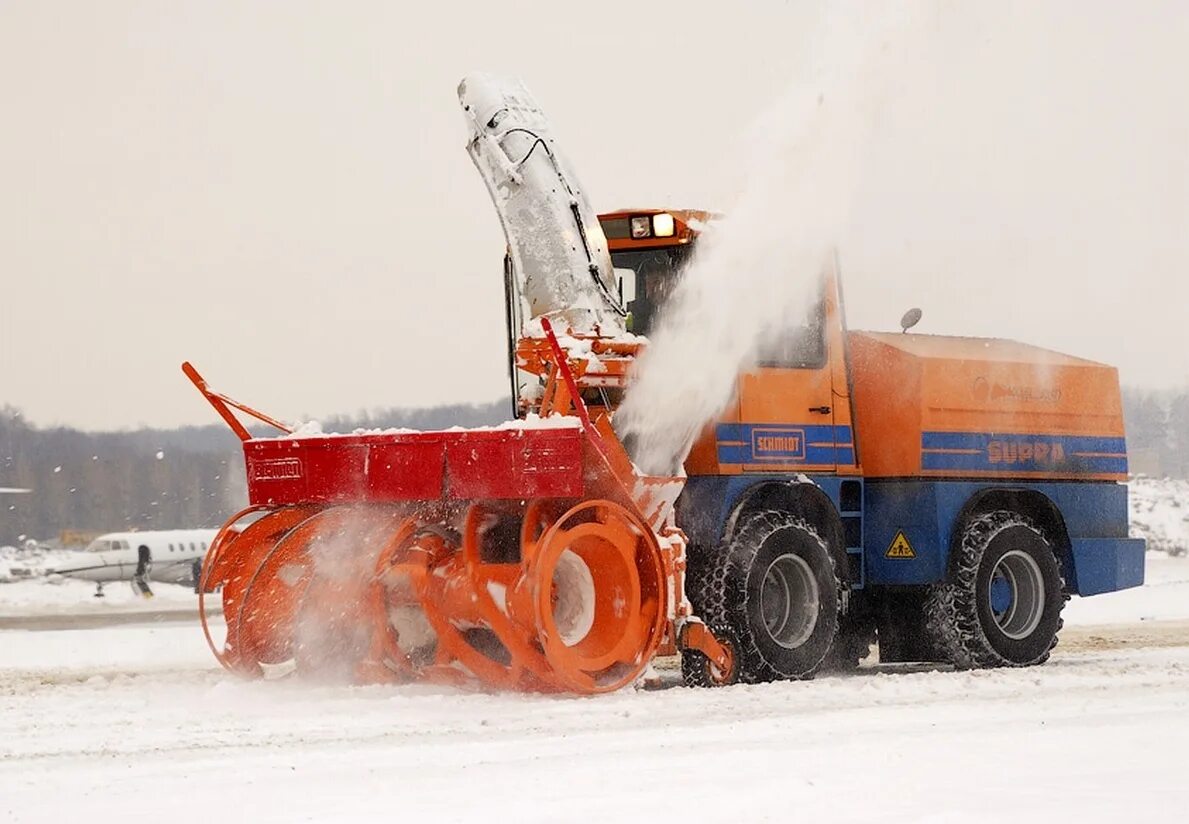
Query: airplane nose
point(75, 565)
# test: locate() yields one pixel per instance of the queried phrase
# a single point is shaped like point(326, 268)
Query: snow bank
point(1160, 513)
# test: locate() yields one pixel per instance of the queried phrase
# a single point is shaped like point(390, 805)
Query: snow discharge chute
point(555, 243)
point(531, 556)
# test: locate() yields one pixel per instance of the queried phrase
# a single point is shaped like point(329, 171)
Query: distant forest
point(89, 482)
point(1158, 431)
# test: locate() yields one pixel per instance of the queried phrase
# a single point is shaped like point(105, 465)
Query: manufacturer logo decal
point(900, 547)
point(1025, 452)
point(985, 390)
point(774, 444)
point(276, 469)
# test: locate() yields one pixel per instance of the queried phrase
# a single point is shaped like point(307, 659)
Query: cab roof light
point(663, 225)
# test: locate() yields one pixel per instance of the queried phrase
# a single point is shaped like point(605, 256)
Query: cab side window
point(801, 344)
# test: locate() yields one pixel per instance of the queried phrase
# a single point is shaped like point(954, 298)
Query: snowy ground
point(135, 722)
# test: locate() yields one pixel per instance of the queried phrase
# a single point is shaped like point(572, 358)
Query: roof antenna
point(911, 318)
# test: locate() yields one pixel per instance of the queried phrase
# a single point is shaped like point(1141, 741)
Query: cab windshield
point(649, 277)
point(653, 274)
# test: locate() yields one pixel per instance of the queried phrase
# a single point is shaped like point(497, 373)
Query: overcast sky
point(279, 191)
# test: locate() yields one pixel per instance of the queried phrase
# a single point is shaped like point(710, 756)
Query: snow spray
point(761, 264)
point(329, 637)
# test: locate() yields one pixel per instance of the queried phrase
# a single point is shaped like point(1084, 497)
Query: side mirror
point(911, 318)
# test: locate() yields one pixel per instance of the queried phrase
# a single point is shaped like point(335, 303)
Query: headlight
point(641, 226)
point(662, 225)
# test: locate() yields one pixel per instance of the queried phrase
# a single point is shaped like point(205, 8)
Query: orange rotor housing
point(529, 557)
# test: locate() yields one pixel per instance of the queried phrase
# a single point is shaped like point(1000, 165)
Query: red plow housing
point(530, 556)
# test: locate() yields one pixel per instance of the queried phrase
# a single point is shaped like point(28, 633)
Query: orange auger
point(529, 557)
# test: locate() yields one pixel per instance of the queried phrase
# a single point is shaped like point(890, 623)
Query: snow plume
point(757, 269)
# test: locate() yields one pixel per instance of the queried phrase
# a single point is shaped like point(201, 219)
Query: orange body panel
point(930, 405)
point(809, 407)
point(923, 406)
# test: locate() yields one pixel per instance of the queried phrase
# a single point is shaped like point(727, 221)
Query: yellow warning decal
point(900, 547)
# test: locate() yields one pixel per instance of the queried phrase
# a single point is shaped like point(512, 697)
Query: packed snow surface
point(1092, 736)
point(57, 596)
point(136, 722)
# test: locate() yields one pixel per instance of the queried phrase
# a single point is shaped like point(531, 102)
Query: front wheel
point(1002, 606)
point(774, 587)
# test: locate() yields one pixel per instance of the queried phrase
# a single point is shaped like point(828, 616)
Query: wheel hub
point(789, 601)
point(1015, 593)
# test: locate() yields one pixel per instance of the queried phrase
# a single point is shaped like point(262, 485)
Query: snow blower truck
point(942, 496)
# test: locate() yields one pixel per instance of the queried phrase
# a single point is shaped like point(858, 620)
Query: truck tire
point(1002, 605)
point(773, 588)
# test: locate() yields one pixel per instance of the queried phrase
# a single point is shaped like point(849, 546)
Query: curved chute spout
point(559, 253)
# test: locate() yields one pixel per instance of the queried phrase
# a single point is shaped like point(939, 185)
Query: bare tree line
point(1158, 431)
point(92, 482)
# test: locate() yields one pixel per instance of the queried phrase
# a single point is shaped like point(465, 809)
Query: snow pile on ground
point(1160, 513)
point(33, 561)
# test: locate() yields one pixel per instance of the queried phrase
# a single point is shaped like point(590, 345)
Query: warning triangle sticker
point(900, 547)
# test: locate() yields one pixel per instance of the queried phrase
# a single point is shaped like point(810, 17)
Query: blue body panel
point(960, 452)
point(706, 505)
point(1108, 564)
point(925, 513)
point(810, 444)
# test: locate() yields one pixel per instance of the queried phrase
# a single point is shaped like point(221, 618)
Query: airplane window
point(171, 547)
point(192, 548)
point(204, 546)
point(99, 546)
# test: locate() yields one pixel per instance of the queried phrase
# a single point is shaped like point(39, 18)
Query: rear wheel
point(1002, 606)
point(774, 589)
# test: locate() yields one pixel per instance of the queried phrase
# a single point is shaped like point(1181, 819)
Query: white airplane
point(12, 490)
point(170, 555)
